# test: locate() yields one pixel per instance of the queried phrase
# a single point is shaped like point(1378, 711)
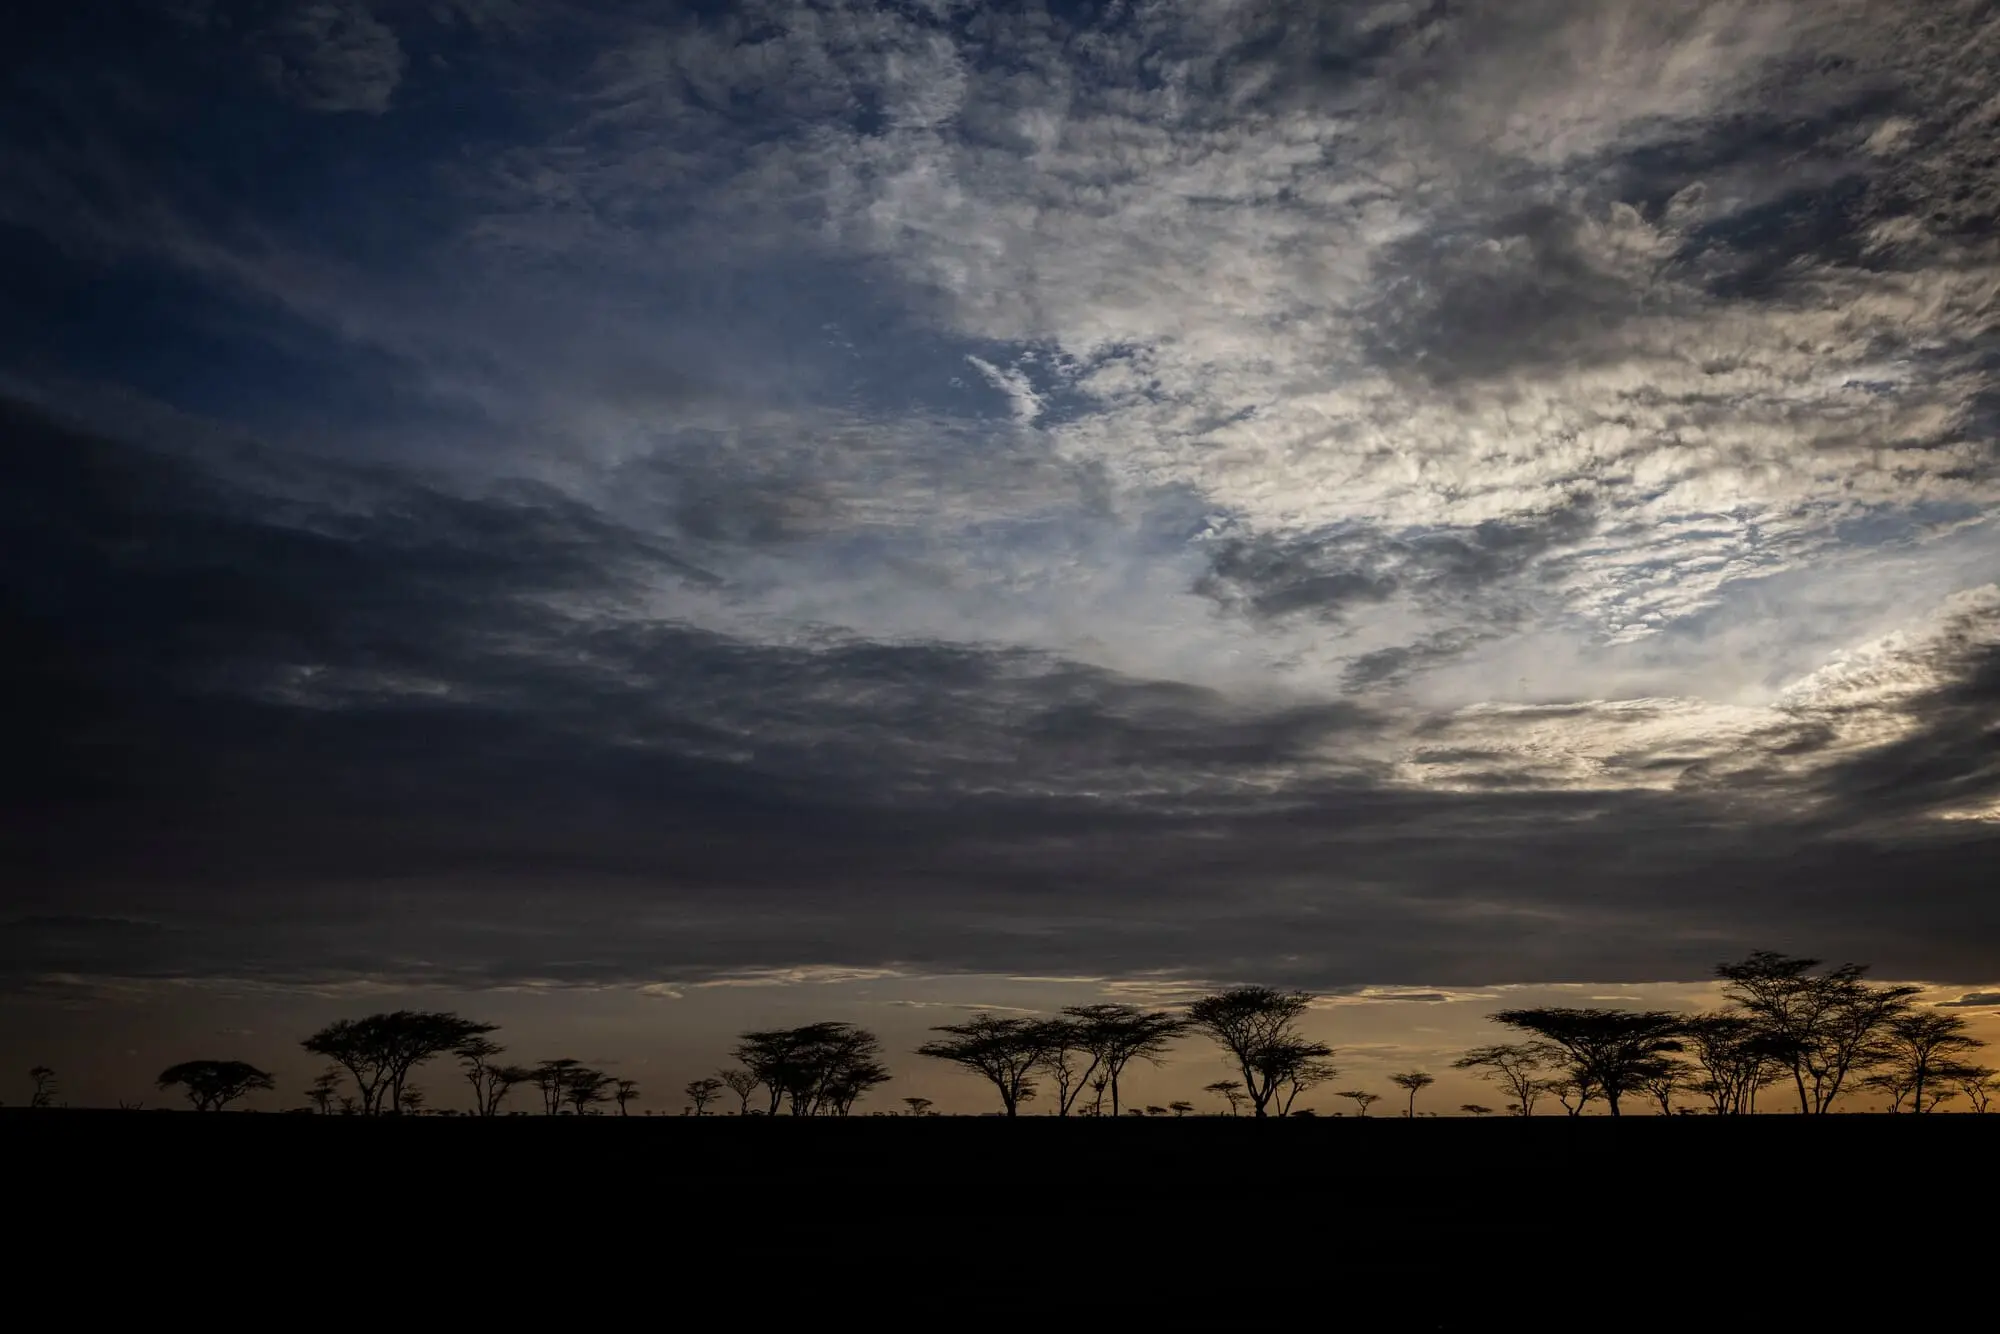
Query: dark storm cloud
point(1972, 1000)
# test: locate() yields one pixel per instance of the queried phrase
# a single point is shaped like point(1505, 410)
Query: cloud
point(1972, 1000)
point(1450, 494)
point(329, 55)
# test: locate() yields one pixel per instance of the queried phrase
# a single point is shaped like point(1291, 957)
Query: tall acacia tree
point(1610, 1052)
point(1117, 1035)
point(1005, 1052)
point(740, 1082)
point(1069, 1058)
point(1823, 1025)
point(490, 1082)
point(1736, 1057)
point(1925, 1048)
point(380, 1050)
point(1257, 1026)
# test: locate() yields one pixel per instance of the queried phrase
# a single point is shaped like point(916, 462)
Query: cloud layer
point(1381, 493)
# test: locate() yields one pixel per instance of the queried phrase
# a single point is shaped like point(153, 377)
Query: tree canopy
point(213, 1085)
point(1257, 1026)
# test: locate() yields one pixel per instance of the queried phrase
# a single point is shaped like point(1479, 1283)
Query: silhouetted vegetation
point(1611, 1052)
point(1413, 1082)
point(1257, 1026)
point(213, 1085)
point(379, 1051)
point(1821, 1026)
point(702, 1092)
point(1824, 1030)
point(819, 1070)
point(1521, 1068)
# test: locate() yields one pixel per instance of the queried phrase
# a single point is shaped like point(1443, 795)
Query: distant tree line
point(1791, 1024)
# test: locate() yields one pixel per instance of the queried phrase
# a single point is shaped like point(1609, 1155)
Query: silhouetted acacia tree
point(818, 1069)
point(1573, 1091)
point(379, 1051)
point(551, 1080)
point(1736, 1057)
point(1823, 1026)
point(1520, 1068)
point(325, 1088)
point(1293, 1069)
point(742, 1083)
point(413, 1100)
point(1005, 1051)
point(43, 1080)
point(1610, 1051)
point(490, 1083)
point(1978, 1083)
point(1117, 1035)
point(1230, 1091)
point(1180, 1108)
point(1663, 1080)
point(623, 1091)
point(1413, 1082)
point(702, 1092)
point(213, 1085)
point(918, 1106)
point(1923, 1054)
point(584, 1088)
point(1256, 1026)
point(1067, 1057)
point(1474, 1109)
point(1362, 1100)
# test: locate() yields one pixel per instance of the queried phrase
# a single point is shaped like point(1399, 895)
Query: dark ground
point(1441, 1210)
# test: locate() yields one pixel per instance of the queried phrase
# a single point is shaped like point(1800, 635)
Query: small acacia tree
point(1519, 1068)
point(702, 1092)
point(1978, 1083)
point(918, 1106)
point(213, 1085)
point(43, 1080)
point(325, 1089)
point(1362, 1100)
point(623, 1091)
point(491, 1082)
point(1230, 1091)
point(740, 1082)
point(1257, 1026)
point(1413, 1082)
point(584, 1088)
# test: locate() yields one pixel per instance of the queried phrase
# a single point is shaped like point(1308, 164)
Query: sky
point(653, 519)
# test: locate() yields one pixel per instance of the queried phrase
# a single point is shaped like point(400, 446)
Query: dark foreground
point(1450, 1203)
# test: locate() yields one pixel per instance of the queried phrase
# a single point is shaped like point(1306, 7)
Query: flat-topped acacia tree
point(213, 1085)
